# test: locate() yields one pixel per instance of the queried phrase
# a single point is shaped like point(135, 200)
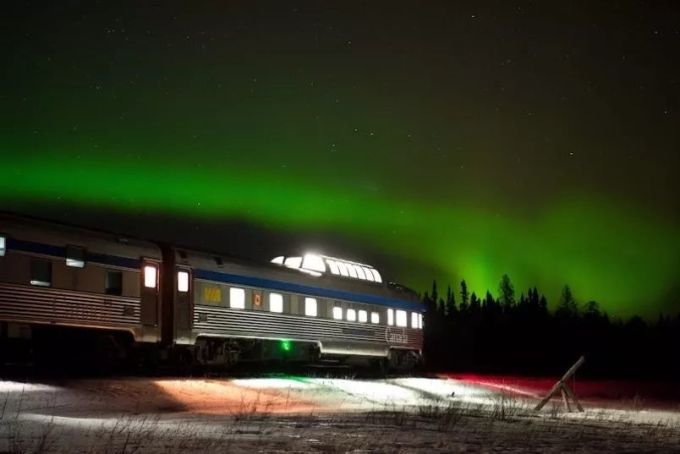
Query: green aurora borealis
point(437, 145)
point(611, 255)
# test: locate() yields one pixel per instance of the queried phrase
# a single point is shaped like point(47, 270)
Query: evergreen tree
point(567, 307)
point(450, 303)
point(441, 307)
point(591, 311)
point(506, 293)
point(475, 304)
point(430, 308)
point(464, 297)
point(523, 305)
point(534, 302)
point(489, 305)
point(543, 305)
point(617, 347)
point(434, 295)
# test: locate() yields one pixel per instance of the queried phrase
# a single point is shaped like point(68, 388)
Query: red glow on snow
point(614, 392)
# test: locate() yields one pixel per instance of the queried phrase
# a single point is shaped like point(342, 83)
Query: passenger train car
point(157, 300)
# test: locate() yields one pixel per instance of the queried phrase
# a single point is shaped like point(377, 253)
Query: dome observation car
point(317, 265)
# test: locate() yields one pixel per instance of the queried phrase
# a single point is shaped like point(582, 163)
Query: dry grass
point(437, 425)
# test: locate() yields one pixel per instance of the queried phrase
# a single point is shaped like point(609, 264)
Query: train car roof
point(46, 231)
point(212, 266)
point(41, 231)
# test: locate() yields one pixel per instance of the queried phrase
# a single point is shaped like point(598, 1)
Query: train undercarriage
point(100, 351)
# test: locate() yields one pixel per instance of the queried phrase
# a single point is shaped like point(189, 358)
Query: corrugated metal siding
point(229, 322)
point(47, 305)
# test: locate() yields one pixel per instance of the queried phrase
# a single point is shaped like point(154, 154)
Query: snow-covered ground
point(303, 414)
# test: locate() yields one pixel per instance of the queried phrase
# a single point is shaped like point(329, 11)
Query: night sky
point(434, 140)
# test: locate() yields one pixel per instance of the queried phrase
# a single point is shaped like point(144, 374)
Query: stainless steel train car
point(198, 307)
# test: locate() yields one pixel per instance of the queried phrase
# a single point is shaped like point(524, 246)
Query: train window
point(182, 281)
point(337, 313)
point(75, 256)
point(333, 266)
point(278, 260)
point(352, 271)
point(390, 317)
point(414, 320)
point(293, 262)
point(313, 262)
point(360, 272)
point(376, 276)
point(402, 319)
point(369, 275)
point(275, 302)
point(420, 321)
point(212, 294)
point(363, 316)
point(343, 269)
point(114, 283)
point(41, 272)
point(351, 315)
point(310, 307)
point(150, 273)
point(237, 298)
point(375, 317)
point(257, 300)
point(3, 245)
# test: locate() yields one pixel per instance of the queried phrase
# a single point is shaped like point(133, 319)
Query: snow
point(289, 413)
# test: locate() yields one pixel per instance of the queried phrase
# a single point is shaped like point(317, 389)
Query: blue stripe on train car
point(57, 251)
point(304, 289)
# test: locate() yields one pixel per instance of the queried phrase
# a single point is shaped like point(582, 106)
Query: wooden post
point(564, 399)
point(562, 388)
point(571, 394)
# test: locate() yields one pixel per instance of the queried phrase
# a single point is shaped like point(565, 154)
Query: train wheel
point(379, 367)
point(184, 361)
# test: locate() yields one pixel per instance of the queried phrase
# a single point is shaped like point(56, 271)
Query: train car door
point(183, 299)
point(150, 294)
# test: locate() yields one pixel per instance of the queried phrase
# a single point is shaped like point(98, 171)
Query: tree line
point(509, 334)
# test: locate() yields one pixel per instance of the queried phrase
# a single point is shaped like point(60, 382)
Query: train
point(123, 298)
